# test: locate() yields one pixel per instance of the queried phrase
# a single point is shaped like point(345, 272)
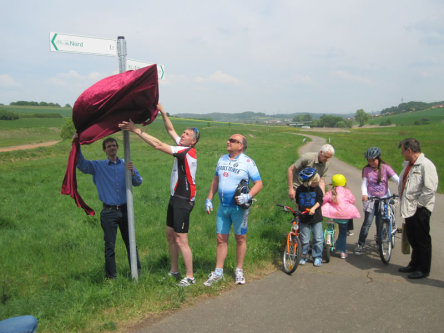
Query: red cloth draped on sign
point(99, 109)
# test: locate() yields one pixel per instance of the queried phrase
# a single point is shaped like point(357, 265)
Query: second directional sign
point(81, 44)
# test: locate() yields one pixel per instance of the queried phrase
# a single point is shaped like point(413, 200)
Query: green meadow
point(52, 262)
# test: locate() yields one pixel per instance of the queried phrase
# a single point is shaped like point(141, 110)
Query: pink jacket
point(344, 209)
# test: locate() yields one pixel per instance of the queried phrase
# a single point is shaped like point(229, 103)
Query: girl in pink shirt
point(375, 177)
point(338, 205)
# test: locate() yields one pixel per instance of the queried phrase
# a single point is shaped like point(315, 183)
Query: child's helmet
point(306, 174)
point(372, 153)
point(338, 180)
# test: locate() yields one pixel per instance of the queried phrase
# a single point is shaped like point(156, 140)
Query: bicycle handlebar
point(394, 196)
point(295, 212)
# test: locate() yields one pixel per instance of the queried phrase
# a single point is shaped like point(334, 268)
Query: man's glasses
point(234, 140)
point(195, 130)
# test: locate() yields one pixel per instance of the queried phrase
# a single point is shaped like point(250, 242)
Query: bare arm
point(291, 191)
point(256, 188)
point(213, 187)
point(149, 139)
point(167, 123)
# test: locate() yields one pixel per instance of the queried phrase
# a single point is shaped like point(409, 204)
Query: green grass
point(433, 116)
point(65, 112)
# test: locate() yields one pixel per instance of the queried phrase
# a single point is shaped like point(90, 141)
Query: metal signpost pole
point(121, 52)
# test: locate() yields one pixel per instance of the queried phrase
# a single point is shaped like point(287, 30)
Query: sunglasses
point(195, 130)
point(234, 141)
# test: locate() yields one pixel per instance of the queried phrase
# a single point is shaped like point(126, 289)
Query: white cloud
point(220, 77)
point(7, 81)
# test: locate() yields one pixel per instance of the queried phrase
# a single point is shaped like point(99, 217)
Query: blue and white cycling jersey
point(231, 172)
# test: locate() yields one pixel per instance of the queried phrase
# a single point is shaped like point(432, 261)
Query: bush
point(6, 115)
point(385, 122)
point(68, 130)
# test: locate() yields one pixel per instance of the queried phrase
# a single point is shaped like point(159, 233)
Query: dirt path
point(30, 146)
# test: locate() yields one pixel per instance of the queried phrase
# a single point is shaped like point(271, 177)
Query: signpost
point(109, 47)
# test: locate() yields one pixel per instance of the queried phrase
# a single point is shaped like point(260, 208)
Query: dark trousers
point(110, 219)
point(417, 228)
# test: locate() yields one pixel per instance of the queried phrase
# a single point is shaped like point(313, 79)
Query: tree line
point(32, 103)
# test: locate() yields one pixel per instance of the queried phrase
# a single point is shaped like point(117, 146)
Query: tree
point(68, 129)
point(361, 117)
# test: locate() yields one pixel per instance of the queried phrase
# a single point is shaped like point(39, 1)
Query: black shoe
point(407, 269)
point(417, 275)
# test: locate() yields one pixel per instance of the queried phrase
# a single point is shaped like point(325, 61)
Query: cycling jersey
point(231, 172)
point(184, 172)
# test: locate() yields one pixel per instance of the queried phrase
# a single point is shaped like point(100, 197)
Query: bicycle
point(329, 240)
point(292, 247)
point(385, 236)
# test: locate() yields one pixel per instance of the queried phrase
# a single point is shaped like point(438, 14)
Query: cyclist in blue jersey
point(231, 169)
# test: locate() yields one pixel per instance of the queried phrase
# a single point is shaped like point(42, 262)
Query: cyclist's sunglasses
point(234, 141)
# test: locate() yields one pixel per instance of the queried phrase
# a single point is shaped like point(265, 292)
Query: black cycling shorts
point(178, 214)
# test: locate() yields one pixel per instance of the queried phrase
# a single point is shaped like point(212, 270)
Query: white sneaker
point(240, 278)
point(186, 282)
point(213, 278)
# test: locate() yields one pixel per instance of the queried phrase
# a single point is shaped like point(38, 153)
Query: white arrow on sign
point(82, 44)
point(135, 64)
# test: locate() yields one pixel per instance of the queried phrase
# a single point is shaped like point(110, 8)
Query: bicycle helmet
point(306, 174)
point(338, 180)
point(372, 153)
point(243, 188)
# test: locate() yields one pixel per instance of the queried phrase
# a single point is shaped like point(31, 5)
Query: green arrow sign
point(81, 44)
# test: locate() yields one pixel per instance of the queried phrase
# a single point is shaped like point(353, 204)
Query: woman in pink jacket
point(338, 205)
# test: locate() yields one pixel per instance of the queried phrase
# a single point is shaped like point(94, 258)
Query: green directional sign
point(135, 64)
point(81, 44)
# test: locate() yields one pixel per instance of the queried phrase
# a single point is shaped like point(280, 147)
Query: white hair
point(327, 148)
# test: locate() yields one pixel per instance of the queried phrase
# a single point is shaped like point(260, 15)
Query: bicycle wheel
point(326, 251)
point(385, 242)
point(291, 255)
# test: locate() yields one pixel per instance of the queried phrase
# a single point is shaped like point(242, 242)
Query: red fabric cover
point(99, 109)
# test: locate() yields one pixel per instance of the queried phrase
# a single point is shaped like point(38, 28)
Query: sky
point(322, 56)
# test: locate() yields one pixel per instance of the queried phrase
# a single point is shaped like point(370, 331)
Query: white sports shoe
point(240, 278)
point(186, 282)
point(213, 278)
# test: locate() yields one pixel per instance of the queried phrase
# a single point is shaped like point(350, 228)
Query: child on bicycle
point(339, 206)
point(309, 195)
point(375, 176)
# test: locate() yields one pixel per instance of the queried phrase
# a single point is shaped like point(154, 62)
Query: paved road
point(359, 294)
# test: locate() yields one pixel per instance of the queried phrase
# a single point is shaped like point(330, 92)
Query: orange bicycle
point(292, 247)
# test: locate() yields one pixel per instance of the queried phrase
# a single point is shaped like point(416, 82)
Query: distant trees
point(26, 103)
point(361, 117)
point(332, 121)
point(302, 118)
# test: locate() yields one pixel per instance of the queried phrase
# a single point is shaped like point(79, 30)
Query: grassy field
point(432, 116)
point(52, 253)
point(65, 112)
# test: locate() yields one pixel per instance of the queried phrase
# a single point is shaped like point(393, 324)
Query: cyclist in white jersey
point(183, 191)
point(230, 170)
